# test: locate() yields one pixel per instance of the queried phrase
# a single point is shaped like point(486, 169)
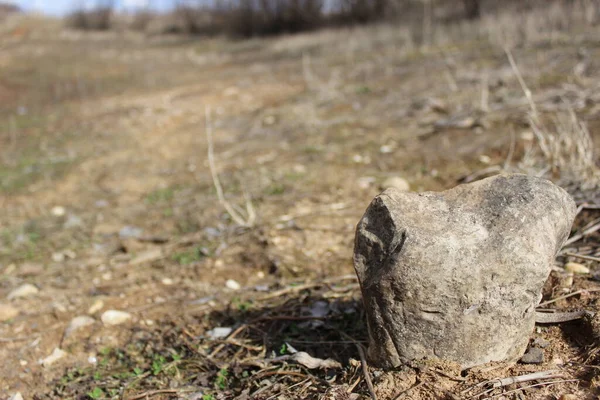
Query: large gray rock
point(456, 275)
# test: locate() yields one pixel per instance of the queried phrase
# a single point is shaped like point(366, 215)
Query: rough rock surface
point(456, 275)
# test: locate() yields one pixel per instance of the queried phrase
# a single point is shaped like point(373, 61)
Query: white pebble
point(97, 306)
point(56, 355)
point(79, 322)
point(16, 396)
point(167, 281)
point(219, 332)
point(115, 317)
point(58, 257)
point(58, 211)
point(386, 149)
point(396, 182)
point(233, 285)
point(24, 290)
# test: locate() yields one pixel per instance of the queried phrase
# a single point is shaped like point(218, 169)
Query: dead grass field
point(107, 200)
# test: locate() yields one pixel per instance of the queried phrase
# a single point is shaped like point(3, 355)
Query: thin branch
point(511, 150)
point(150, 393)
point(566, 296)
point(365, 369)
point(583, 257)
point(237, 218)
point(524, 87)
point(534, 385)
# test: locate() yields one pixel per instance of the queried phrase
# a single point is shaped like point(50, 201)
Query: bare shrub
point(98, 18)
point(141, 20)
point(248, 18)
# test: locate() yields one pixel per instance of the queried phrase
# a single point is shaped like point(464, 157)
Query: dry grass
point(310, 126)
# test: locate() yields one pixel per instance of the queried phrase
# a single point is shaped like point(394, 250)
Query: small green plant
point(275, 189)
point(96, 393)
point(160, 196)
point(188, 257)
point(105, 351)
point(137, 371)
point(221, 381)
point(157, 364)
point(208, 397)
point(242, 306)
point(283, 349)
point(363, 90)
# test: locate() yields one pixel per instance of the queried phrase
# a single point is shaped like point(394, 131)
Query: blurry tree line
point(248, 18)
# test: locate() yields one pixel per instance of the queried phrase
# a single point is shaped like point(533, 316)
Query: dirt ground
point(107, 201)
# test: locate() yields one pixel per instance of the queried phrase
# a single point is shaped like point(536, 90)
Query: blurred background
point(202, 164)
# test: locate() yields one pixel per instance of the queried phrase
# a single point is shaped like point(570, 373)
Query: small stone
point(386, 149)
point(527, 136)
point(16, 396)
point(30, 269)
point(534, 355)
point(96, 306)
point(269, 120)
point(167, 281)
point(130, 232)
point(569, 397)
point(115, 317)
point(73, 221)
point(7, 312)
point(58, 211)
point(576, 268)
point(396, 182)
point(541, 343)
point(365, 182)
point(77, 323)
point(23, 363)
point(24, 290)
point(484, 159)
point(233, 285)
point(56, 355)
point(101, 203)
point(320, 309)
point(220, 332)
point(58, 257)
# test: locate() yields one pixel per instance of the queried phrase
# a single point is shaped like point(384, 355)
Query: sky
point(61, 7)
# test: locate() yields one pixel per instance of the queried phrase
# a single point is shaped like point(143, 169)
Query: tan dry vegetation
point(111, 127)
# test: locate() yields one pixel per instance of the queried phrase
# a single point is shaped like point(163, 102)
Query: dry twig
point(250, 219)
point(566, 296)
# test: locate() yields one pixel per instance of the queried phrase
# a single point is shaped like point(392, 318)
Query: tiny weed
point(275, 189)
point(160, 196)
point(188, 257)
point(157, 364)
point(221, 381)
point(96, 393)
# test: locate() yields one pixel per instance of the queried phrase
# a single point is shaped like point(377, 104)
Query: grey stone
point(456, 275)
point(534, 355)
point(541, 343)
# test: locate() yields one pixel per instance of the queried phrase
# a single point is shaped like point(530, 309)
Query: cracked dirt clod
point(456, 275)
